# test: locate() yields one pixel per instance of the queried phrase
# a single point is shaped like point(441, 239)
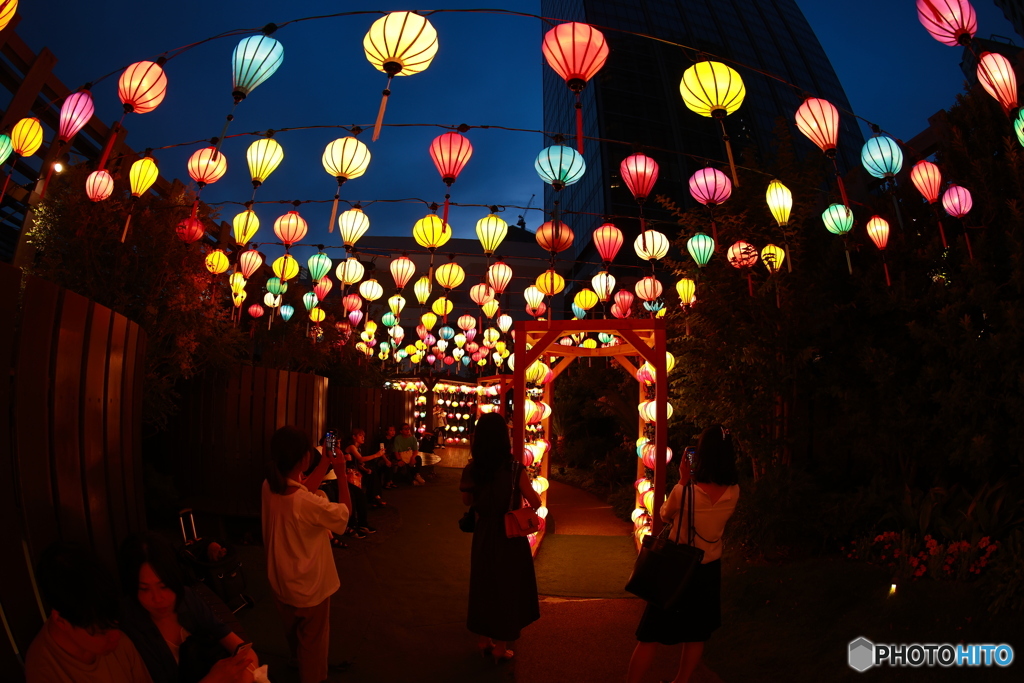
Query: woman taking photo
point(715, 492)
point(502, 585)
point(300, 565)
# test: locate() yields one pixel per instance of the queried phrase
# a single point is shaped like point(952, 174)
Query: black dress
point(502, 585)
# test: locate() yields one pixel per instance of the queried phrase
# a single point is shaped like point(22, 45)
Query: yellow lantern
point(772, 257)
point(371, 290)
point(442, 306)
point(490, 308)
point(537, 372)
point(585, 299)
point(142, 175)
point(244, 226)
point(422, 289)
point(712, 89)
point(687, 290)
point(238, 298)
point(491, 230)
point(651, 245)
point(237, 282)
point(350, 271)
point(27, 136)
point(397, 304)
point(346, 158)
point(263, 157)
point(428, 320)
point(540, 485)
point(780, 202)
point(7, 10)
point(550, 283)
point(430, 232)
point(352, 224)
point(450, 275)
point(317, 315)
point(217, 261)
point(670, 361)
point(285, 267)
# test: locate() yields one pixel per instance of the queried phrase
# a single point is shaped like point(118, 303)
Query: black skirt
point(698, 615)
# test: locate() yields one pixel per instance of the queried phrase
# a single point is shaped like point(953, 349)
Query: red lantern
point(249, 262)
point(99, 185)
point(256, 311)
point(710, 187)
point(951, 22)
point(290, 228)
point(450, 152)
point(640, 173)
point(624, 298)
point(927, 178)
point(878, 231)
point(743, 255)
point(191, 230)
point(554, 236)
point(608, 240)
point(402, 270)
point(352, 302)
point(538, 311)
point(498, 276)
point(74, 114)
point(207, 166)
point(576, 52)
point(818, 119)
point(142, 87)
point(323, 287)
point(620, 311)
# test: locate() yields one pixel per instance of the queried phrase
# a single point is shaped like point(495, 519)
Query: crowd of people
point(157, 629)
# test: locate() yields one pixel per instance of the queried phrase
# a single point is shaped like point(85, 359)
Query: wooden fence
point(69, 437)
point(222, 433)
point(370, 409)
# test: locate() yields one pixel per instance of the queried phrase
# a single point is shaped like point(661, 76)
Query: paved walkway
point(400, 614)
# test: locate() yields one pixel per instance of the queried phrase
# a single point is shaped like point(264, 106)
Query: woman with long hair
point(502, 584)
point(716, 490)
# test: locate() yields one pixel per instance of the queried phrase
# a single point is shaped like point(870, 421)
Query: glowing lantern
point(465, 322)
point(878, 231)
point(141, 177)
point(319, 264)
point(286, 267)
point(640, 173)
point(648, 288)
point(5, 148)
point(550, 283)
point(951, 22)
point(498, 276)
point(99, 185)
point(504, 322)
point(7, 10)
point(560, 166)
point(317, 315)
point(74, 114)
point(838, 219)
point(818, 119)
point(539, 484)
point(648, 411)
point(701, 247)
point(217, 262)
point(271, 301)
point(371, 290)
point(442, 306)
point(1018, 128)
point(323, 287)
point(608, 241)
point(287, 312)
point(481, 293)
point(256, 311)
point(290, 228)
point(710, 187)
point(396, 303)
point(345, 159)
point(254, 60)
point(27, 136)
point(491, 230)
point(450, 152)
point(352, 302)
point(190, 230)
point(927, 178)
point(263, 157)
point(997, 77)
point(350, 271)
point(206, 166)
point(554, 236)
point(310, 300)
point(429, 320)
point(430, 233)
point(534, 297)
point(576, 51)
point(236, 281)
point(450, 275)
point(780, 202)
point(957, 201)
point(352, 224)
point(715, 90)
point(881, 156)
point(585, 299)
point(490, 308)
point(422, 289)
point(742, 255)
point(651, 245)
point(142, 87)
point(244, 226)
point(402, 269)
point(604, 285)
point(355, 316)
point(772, 258)
point(624, 298)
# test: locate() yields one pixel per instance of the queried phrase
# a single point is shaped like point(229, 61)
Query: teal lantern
point(701, 247)
point(465, 361)
point(287, 312)
point(1018, 128)
point(384, 347)
point(389, 319)
point(654, 306)
point(255, 60)
point(446, 333)
point(881, 156)
point(605, 338)
point(560, 166)
point(578, 312)
point(319, 265)
point(276, 286)
point(310, 301)
point(838, 219)
point(6, 148)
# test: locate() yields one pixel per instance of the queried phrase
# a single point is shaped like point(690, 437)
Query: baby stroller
point(215, 564)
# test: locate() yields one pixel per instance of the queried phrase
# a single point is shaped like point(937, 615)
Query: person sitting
point(407, 455)
point(357, 475)
point(390, 467)
point(368, 465)
point(80, 642)
point(174, 630)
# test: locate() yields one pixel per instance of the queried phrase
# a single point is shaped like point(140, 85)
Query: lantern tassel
point(444, 215)
point(380, 112)
point(334, 207)
point(579, 124)
point(942, 231)
point(967, 240)
point(896, 205)
point(750, 284)
point(789, 261)
point(728, 152)
point(885, 266)
point(849, 266)
point(128, 222)
point(7, 182)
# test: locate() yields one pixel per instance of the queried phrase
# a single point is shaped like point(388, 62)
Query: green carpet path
point(400, 614)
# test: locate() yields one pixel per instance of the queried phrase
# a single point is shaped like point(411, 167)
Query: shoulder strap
point(515, 485)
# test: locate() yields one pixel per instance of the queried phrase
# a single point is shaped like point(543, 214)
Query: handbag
point(663, 568)
point(521, 521)
point(467, 522)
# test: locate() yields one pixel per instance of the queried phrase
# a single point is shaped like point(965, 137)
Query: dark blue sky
point(487, 71)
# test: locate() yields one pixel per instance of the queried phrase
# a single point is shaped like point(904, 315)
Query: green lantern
point(389, 319)
point(276, 286)
point(701, 247)
point(310, 301)
point(1018, 127)
point(319, 265)
point(838, 219)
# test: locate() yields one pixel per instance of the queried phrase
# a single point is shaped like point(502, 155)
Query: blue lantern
point(560, 166)
point(605, 338)
point(465, 360)
point(310, 301)
point(578, 312)
point(881, 156)
point(389, 319)
point(446, 333)
point(654, 306)
point(255, 60)
point(287, 312)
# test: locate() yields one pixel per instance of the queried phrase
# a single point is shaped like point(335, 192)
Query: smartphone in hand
point(242, 648)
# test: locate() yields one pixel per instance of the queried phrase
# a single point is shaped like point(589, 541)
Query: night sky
point(487, 72)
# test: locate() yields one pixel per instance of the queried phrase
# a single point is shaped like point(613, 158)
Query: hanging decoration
point(927, 178)
point(399, 44)
point(951, 22)
point(263, 157)
point(838, 220)
point(26, 138)
point(878, 230)
point(701, 247)
point(640, 172)
point(743, 255)
point(206, 166)
point(402, 269)
point(345, 158)
point(957, 202)
point(291, 227)
point(818, 120)
point(450, 152)
point(710, 187)
point(576, 52)
point(714, 90)
point(883, 158)
point(995, 72)
point(141, 177)
point(254, 60)
point(780, 203)
point(491, 231)
point(244, 226)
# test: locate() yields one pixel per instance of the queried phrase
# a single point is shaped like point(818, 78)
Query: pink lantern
point(323, 287)
point(710, 187)
point(352, 302)
point(249, 262)
point(640, 173)
point(74, 114)
point(608, 240)
point(995, 72)
point(951, 22)
point(355, 317)
point(99, 185)
point(256, 311)
point(957, 201)
point(624, 298)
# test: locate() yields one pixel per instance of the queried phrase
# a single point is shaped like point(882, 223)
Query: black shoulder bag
point(664, 567)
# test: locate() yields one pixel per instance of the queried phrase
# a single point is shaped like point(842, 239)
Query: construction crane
point(522, 221)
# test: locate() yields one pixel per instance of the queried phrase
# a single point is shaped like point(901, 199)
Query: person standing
point(389, 468)
point(300, 565)
point(502, 583)
point(407, 454)
point(715, 493)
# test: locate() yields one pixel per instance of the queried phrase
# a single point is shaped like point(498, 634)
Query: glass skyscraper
point(635, 99)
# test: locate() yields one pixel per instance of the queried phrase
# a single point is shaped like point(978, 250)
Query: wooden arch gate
point(636, 338)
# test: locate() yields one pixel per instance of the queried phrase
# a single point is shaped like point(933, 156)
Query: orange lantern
point(554, 236)
point(997, 77)
point(576, 52)
point(402, 269)
point(206, 166)
point(323, 287)
point(142, 86)
point(648, 288)
point(927, 178)
point(608, 241)
point(481, 293)
point(498, 276)
point(878, 231)
point(290, 228)
point(818, 119)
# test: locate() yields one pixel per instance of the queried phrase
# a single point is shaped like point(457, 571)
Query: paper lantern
point(206, 166)
point(287, 312)
point(818, 119)
point(881, 156)
point(608, 241)
point(772, 258)
point(399, 44)
point(442, 306)
point(27, 136)
point(838, 219)
point(7, 10)
point(323, 287)
point(504, 322)
point(624, 298)
point(263, 157)
point(430, 232)
point(450, 275)
point(217, 261)
point(878, 231)
point(142, 87)
point(498, 276)
point(927, 178)
point(554, 236)
point(254, 60)
point(319, 264)
point(271, 301)
point(244, 226)
point(1018, 128)
point(76, 111)
point(490, 308)
point(352, 224)
point(576, 51)
point(586, 299)
point(422, 289)
point(491, 230)
point(317, 315)
point(560, 166)
point(780, 202)
point(995, 72)
point(712, 89)
point(350, 271)
point(345, 158)
point(550, 283)
point(648, 288)
point(276, 287)
point(99, 185)
point(236, 281)
point(651, 245)
point(951, 22)
point(352, 302)
point(957, 201)
point(402, 269)
point(701, 247)
point(465, 322)
point(371, 290)
point(534, 296)
point(687, 290)
point(190, 230)
point(285, 267)
point(640, 173)
point(142, 175)
point(429, 320)
point(481, 293)
point(450, 153)
point(256, 311)
point(310, 300)
point(710, 187)
point(396, 302)
point(290, 228)
point(603, 284)
point(6, 147)
point(742, 255)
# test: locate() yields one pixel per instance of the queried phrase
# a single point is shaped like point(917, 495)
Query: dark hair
point(357, 431)
point(492, 448)
point(158, 553)
point(74, 582)
point(288, 446)
point(715, 460)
